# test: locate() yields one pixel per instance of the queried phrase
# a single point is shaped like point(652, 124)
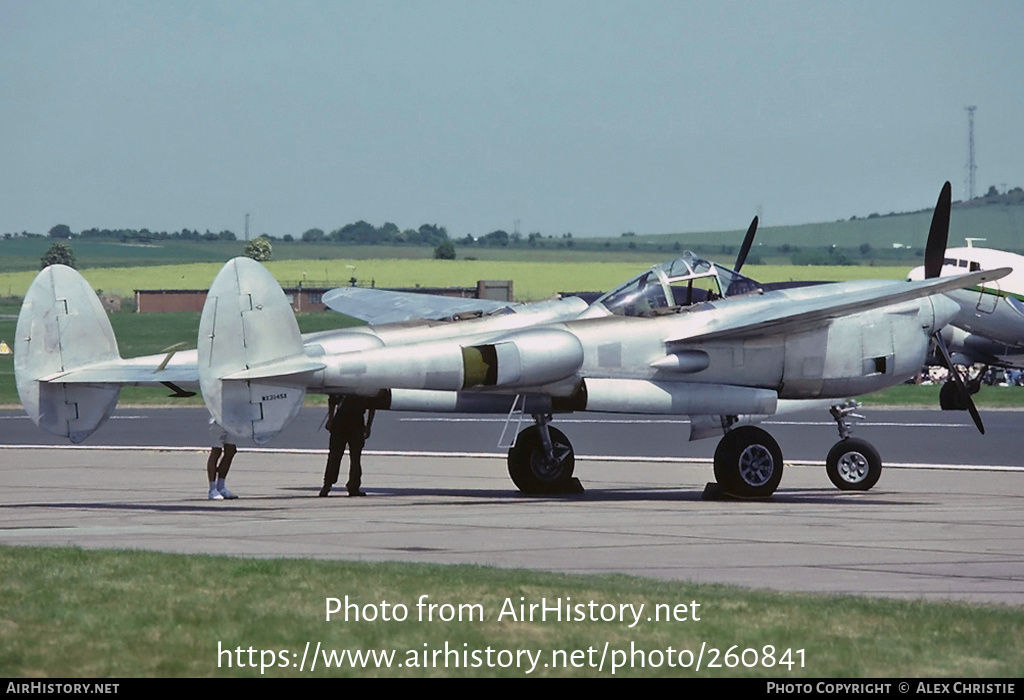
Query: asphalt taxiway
point(922, 532)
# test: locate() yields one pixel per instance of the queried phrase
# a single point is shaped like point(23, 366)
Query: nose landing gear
point(852, 464)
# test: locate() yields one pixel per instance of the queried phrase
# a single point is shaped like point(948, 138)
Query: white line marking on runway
point(25, 417)
point(683, 421)
point(502, 456)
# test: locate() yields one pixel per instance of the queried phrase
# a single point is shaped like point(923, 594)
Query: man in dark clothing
point(345, 421)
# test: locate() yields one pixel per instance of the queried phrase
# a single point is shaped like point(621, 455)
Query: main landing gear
point(748, 460)
point(542, 460)
point(748, 463)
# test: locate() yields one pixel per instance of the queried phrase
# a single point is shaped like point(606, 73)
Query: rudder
point(62, 326)
point(247, 323)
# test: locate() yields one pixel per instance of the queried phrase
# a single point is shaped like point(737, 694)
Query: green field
point(532, 281)
point(72, 614)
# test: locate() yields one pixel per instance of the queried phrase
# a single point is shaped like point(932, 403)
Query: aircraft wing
point(376, 306)
point(789, 315)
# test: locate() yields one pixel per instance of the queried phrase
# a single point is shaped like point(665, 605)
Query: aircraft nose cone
point(944, 310)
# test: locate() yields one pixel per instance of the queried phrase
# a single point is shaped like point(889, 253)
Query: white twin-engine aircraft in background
point(988, 329)
point(685, 337)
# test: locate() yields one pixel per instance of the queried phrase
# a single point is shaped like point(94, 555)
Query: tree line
point(359, 232)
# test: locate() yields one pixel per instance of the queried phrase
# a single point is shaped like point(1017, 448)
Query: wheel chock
point(713, 492)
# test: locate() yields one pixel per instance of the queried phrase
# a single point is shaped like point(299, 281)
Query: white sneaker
point(223, 489)
point(215, 495)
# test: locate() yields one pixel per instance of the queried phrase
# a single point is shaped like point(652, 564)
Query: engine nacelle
point(864, 352)
point(527, 358)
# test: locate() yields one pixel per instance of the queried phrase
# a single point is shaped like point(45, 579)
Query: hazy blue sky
point(592, 117)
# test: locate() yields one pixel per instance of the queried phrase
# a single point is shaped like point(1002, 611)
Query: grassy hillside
point(22, 254)
point(1001, 225)
point(863, 241)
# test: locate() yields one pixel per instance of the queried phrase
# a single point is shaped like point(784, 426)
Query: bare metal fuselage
point(848, 355)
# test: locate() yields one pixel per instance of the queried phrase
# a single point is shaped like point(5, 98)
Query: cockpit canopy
point(674, 285)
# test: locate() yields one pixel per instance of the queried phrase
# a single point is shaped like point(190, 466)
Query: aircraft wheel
point(853, 465)
point(529, 467)
point(748, 463)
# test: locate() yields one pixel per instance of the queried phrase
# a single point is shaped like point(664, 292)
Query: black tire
point(528, 465)
point(748, 463)
point(853, 465)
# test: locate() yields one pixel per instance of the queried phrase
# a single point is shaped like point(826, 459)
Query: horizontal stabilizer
point(135, 371)
point(287, 367)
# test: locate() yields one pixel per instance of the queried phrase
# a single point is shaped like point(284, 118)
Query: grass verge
point(73, 613)
point(928, 395)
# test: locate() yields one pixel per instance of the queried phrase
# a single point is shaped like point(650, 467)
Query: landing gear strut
point(852, 464)
point(542, 459)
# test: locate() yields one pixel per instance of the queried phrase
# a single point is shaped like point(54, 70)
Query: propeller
point(965, 395)
point(748, 241)
point(938, 234)
point(934, 255)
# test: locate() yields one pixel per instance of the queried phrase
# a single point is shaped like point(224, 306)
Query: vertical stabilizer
point(247, 323)
point(62, 326)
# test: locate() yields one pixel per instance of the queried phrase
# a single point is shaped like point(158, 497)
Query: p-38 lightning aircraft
point(69, 371)
point(685, 337)
point(989, 327)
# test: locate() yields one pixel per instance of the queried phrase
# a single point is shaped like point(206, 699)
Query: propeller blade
point(938, 234)
point(748, 241)
point(965, 395)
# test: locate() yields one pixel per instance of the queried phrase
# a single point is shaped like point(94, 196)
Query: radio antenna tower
point(971, 167)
